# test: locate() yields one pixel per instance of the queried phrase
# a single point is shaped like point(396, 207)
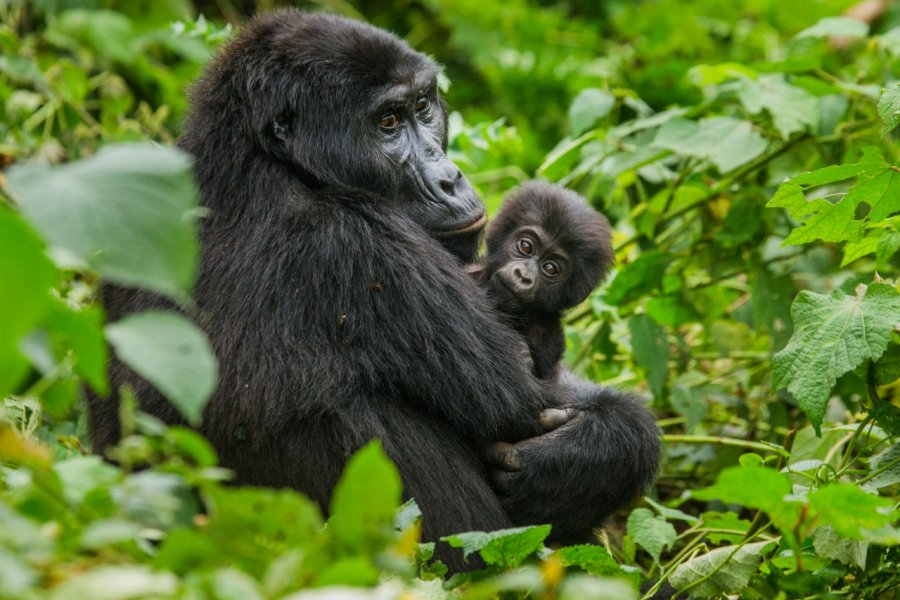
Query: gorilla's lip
point(476, 225)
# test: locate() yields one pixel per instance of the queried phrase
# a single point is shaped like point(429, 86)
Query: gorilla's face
point(351, 105)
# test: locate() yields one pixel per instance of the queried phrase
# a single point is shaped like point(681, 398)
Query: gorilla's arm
point(412, 323)
point(602, 452)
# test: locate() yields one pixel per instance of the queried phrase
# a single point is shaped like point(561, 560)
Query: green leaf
point(635, 279)
point(171, 353)
point(129, 212)
point(590, 105)
point(836, 27)
point(116, 583)
point(651, 350)
point(81, 332)
point(889, 108)
point(652, 533)
point(830, 545)
point(889, 461)
point(792, 108)
point(755, 487)
point(725, 521)
point(365, 499)
point(27, 276)
point(108, 532)
point(589, 558)
point(832, 335)
point(849, 510)
point(720, 571)
point(505, 547)
point(887, 368)
point(584, 587)
point(727, 143)
point(878, 186)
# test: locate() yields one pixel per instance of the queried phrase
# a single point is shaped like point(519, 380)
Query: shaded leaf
point(171, 353)
point(889, 108)
point(651, 350)
point(755, 487)
point(727, 143)
point(723, 570)
point(652, 533)
point(588, 106)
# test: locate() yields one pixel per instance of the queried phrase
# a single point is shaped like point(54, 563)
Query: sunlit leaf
point(833, 334)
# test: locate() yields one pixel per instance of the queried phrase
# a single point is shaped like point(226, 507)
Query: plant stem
point(724, 441)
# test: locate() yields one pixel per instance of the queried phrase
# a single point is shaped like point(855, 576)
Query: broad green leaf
point(157, 500)
point(354, 571)
point(562, 159)
point(365, 499)
point(116, 583)
point(830, 545)
point(888, 465)
point(171, 353)
point(231, 584)
point(727, 143)
point(16, 576)
point(188, 549)
point(832, 335)
point(740, 564)
point(504, 547)
point(81, 474)
point(634, 279)
point(836, 27)
point(887, 368)
point(755, 487)
point(588, 106)
point(651, 350)
point(80, 330)
point(652, 533)
point(725, 521)
point(878, 186)
point(589, 558)
point(849, 510)
point(792, 108)
point(888, 417)
point(889, 108)
point(26, 276)
point(687, 399)
point(129, 212)
point(108, 532)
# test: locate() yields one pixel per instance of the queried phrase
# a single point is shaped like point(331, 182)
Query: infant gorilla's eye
point(525, 246)
point(422, 104)
point(389, 121)
point(550, 268)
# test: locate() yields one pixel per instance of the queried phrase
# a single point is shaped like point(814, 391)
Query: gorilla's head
point(344, 103)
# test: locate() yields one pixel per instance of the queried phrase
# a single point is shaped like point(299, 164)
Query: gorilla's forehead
point(340, 46)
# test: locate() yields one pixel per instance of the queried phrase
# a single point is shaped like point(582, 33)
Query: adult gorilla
point(339, 317)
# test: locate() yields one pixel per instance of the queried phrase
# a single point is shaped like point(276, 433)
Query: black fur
point(561, 230)
point(337, 317)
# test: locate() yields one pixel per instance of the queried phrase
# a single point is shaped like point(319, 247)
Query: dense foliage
point(746, 153)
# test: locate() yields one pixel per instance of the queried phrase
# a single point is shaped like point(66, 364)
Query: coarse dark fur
point(540, 226)
point(338, 317)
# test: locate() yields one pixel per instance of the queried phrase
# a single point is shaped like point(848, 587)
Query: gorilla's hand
point(599, 452)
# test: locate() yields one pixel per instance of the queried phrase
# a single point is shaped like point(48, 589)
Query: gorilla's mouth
point(476, 225)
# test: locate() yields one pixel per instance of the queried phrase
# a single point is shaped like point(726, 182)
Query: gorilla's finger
point(551, 418)
point(503, 456)
point(502, 481)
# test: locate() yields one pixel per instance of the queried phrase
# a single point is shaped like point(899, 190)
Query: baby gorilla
point(546, 250)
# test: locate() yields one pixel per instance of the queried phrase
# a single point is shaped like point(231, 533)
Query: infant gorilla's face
point(534, 266)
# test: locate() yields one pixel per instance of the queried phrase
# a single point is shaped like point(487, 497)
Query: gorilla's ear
point(281, 128)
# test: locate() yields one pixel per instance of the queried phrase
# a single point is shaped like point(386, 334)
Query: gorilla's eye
point(422, 104)
point(389, 121)
point(550, 268)
point(525, 246)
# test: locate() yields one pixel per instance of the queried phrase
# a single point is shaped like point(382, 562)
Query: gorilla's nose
point(523, 277)
point(450, 180)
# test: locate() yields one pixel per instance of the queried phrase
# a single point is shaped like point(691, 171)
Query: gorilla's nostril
point(448, 187)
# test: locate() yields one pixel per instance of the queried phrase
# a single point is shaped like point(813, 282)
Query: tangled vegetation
point(746, 154)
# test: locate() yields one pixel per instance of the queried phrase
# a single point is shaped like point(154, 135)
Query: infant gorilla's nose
point(523, 277)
